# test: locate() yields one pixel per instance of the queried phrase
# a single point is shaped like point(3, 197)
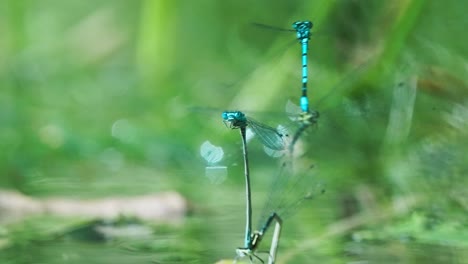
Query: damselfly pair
point(303, 115)
point(285, 180)
point(276, 141)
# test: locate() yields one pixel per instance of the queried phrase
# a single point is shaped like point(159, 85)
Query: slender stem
point(275, 241)
point(248, 221)
point(276, 235)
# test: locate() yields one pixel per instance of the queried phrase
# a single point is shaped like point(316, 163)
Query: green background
point(114, 98)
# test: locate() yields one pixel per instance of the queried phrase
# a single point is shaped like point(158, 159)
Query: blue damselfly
point(275, 208)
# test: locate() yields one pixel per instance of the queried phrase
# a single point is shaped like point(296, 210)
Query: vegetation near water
point(101, 99)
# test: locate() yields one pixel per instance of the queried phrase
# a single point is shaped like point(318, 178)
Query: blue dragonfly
point(305, 117)
point(303, 33)
point(303, 30)
point(302, 114)
point(275, 208)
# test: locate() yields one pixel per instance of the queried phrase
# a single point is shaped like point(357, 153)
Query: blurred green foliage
point(100, 98)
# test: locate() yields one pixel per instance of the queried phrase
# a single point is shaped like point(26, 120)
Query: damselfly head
point(233, 115)
point(303, 29)
point(234, 119)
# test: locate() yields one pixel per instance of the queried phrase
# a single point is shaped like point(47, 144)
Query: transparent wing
point(346, 82)
point(269, 136)
point(289, 189)
point(284, 131)
point(292, 110)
